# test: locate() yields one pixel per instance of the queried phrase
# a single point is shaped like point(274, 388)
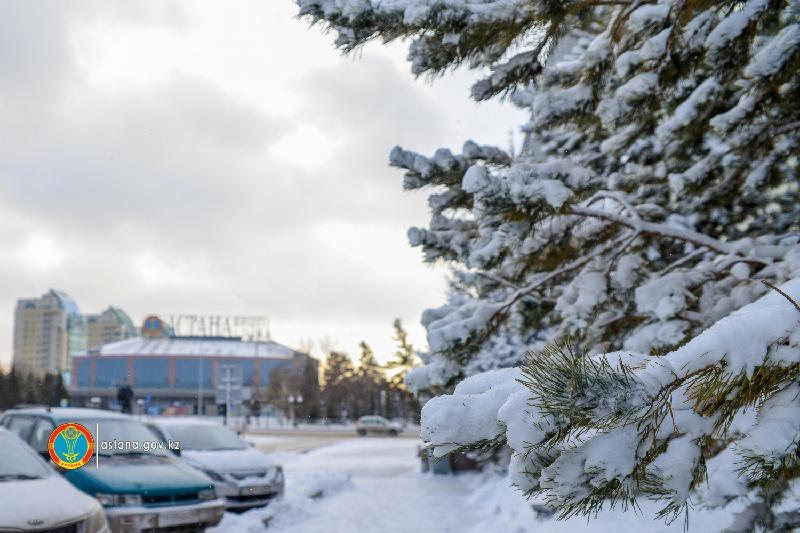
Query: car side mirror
point(45, 455)
point(176, 451)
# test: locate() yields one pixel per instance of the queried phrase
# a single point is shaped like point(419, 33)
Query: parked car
point(377, 424)
point(245, 478)
point(140, 489)
point(36, 498)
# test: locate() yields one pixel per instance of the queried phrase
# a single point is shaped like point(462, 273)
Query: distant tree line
point(347, 390)
point(351, 391)
point(17, 388)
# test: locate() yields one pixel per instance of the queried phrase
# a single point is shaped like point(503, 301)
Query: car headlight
point(207, 494)
point(116, 500)
point(96, 522)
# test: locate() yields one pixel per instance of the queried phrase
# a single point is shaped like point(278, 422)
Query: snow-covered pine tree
point(658, 179)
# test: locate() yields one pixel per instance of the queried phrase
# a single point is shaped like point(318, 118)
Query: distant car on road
point(245, 478)
point(377, 424)
point(139, 489)
point(36, 498)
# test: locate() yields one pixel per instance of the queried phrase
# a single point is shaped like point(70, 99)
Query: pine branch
point(654, 228)
point(548, 276)
point(782, 293)
point(683, 260)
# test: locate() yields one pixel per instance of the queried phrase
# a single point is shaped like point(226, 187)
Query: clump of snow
point(625, 276)
point(582, 296)
point(658, 334)
point(733, 26)
point(742, 338)
point(475, 179)
point(450, 325)
point(437, 372)
point(647, 15)
point(475, 404)
point(775, 435)
point(771, 58)
point(649, 53)
point(664, 297)
point(675, 466)
point(549, 106)
point(689, 109)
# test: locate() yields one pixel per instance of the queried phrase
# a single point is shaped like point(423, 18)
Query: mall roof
point(214, 346)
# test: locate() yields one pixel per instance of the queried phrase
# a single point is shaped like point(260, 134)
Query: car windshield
point(205, 437)
point(123, 437)
point(17, 461)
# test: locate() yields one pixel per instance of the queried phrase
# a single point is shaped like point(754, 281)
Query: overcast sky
point(207, 157)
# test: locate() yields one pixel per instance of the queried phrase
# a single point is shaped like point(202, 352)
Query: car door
point(369, 425)
point(382, 425)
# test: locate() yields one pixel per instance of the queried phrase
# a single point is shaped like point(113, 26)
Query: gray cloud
point(174, 194)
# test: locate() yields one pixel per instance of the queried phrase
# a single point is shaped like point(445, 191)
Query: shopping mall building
point(168, 372)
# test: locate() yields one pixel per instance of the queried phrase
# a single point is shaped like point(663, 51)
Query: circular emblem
point(70, 445)
point(153, 327)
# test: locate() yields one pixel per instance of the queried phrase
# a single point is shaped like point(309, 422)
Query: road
point(287, 440)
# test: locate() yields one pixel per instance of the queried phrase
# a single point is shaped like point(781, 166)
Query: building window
point(83, 371)
point(270, 365)
point(187, 372)
point(152, 372)
point(111, 372)
point(247, 369)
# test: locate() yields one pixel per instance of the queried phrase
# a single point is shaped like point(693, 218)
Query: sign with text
point(251, 328)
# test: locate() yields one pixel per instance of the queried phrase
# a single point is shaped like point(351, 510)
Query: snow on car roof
point(68, 413)
point(182, 421)
point(197, 347)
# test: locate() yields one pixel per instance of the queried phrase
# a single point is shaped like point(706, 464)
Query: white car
point(244, 478)
point(36, 498)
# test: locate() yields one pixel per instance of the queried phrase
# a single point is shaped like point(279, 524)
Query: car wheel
point(361, 432)
point(392, 432)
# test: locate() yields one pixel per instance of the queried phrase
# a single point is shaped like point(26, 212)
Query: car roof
point(67, 413)
point(181, 421)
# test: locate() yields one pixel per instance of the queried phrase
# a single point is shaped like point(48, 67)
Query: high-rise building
point(111, 325)
point(47, 332)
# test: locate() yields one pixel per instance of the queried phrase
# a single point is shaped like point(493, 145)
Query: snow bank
point(303, 492)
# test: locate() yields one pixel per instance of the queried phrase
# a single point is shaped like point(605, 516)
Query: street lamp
point(298, 399)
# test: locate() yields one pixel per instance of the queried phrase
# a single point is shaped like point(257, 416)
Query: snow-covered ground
point(369, 484)
point(374, 485)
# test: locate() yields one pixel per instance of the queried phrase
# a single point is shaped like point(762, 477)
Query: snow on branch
point(654, 228)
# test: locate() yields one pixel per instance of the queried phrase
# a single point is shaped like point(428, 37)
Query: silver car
point(377, 424)
point(243, 477)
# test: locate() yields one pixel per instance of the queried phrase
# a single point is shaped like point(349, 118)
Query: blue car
point(141, 485)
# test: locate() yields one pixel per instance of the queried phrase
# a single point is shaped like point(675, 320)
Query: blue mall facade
point(168, 373)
